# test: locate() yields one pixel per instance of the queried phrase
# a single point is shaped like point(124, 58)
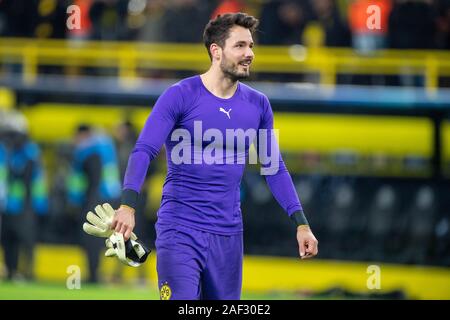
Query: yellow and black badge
point(165, 292)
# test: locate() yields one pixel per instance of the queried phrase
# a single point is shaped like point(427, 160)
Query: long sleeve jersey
point(207, 142)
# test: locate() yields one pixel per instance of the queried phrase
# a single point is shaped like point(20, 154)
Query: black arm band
point(299, 218)
point(129, 198)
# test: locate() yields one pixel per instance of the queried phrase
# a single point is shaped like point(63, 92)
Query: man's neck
point(219, 85)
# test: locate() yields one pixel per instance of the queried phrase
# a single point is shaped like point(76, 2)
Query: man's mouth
point(245, 63)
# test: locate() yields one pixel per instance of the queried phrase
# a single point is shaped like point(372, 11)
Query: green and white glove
point(100, 223)
point(131, 252)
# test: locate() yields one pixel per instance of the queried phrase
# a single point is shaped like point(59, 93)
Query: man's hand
point(99, 224)
point(123, 221)
point(307, 243)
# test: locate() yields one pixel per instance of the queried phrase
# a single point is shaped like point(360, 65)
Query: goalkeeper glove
point(100, 224)
point(131, 252)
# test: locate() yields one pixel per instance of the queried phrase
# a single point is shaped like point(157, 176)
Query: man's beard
point(231, 70)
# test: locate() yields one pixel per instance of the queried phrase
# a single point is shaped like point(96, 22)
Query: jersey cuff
point(299, 218)
point(129, 198)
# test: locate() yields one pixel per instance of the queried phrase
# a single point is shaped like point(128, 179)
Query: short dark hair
point(218, 30)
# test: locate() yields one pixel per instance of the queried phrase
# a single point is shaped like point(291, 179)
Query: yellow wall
point(53, 123)
point(445, 135)
point(364, 134)
point(390, 135)
point(268, 273)
point(262, 274)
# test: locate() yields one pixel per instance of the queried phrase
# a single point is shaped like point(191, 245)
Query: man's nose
point(249, 53)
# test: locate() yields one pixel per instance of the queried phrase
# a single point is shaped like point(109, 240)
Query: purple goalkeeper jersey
point(204, 170)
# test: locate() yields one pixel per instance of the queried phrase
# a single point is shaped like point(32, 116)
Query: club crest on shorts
point(165, 292)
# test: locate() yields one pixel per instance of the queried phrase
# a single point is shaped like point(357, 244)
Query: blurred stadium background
point(364, 129)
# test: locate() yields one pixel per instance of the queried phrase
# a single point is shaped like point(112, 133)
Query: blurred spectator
point(441, 237)
point(33, 18)
point(226, 6)
point(381, 212)
point(108, 18)
point(94, 180)
point(63, 224)
point(421, 217)
point(365, 39)
point(3, 176)
point(85, 22)
point(126, 136)
point(443, 25)
point(151, 30)
point(18, 18)
point(441, 247)
point(336, 30)
point(51, 19)
point(184, 20)
point(339, 239)
point(412, 25)
point(3, 166)
point(282, 22)
point(26, 196)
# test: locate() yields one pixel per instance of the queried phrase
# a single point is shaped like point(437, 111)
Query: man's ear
point(216, 51)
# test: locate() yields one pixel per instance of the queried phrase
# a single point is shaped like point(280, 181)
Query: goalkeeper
point(199, 229)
